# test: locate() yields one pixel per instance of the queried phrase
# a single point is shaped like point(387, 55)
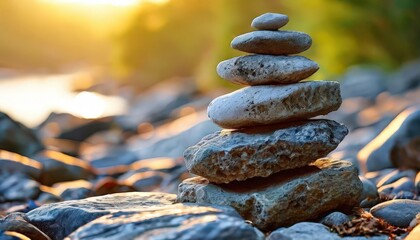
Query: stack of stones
point(268, 163)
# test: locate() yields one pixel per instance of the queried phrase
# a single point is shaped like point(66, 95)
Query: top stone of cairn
point(270, 21)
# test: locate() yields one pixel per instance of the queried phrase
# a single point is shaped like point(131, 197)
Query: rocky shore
point(277, 171)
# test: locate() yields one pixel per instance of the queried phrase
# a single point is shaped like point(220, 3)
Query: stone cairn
point(269, 162)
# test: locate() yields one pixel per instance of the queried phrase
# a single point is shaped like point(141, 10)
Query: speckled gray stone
point(270, 104)
point(266, 69)
point(284, 198)
point(270, 21)
point(229, 155)
point(272, 42)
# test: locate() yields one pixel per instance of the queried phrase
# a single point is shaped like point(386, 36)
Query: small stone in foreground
point(262, 151)
point(270, 21)
point(284, 198)
point(397, 212)
point(266, 69)
point(314, 231)
point(270, 104)
point(272, 42)
point(171, 222)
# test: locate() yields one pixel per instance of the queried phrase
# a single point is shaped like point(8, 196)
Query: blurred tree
point(189, 37)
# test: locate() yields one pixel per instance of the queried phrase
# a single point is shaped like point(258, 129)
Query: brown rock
point(284, 198)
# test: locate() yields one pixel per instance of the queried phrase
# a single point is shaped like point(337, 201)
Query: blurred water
point(30, 99)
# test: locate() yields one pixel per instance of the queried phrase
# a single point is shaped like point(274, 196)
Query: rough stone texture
point(397, 212)
point(58, 220)
point(13, 162)
point(314, 231)
point(397, 145)
point(266, 69)
point(178, 221)
point(284, 198)
point(17, 222)
point(230, 155)
point(335, 219)
point(272, 42)
point(263, 105)
point(59, 167)
point(17, 138)
point(270, 21)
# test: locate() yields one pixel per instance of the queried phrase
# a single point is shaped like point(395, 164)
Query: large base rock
point(284, 198)
point(260, 152)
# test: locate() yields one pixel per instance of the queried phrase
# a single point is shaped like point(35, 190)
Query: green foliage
point(191, 37)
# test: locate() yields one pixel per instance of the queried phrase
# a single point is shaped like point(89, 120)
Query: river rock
point(17, 222)
point(266, 69)
point(284, 198)
point(264, 105)
point(230, 155)
point(392, 146)
point(58, 220)
point(17, 187)
point(270, 21)
point(17, 138)
point(397, 212)
point(13, 162)
point(335, 219)
point(314, 231)
point(178, 221)
point(272, 42)
point(59, 167)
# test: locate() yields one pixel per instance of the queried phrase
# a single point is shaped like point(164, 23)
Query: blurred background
point(109, 93)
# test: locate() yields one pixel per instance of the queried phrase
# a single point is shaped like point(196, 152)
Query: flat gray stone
point(272, 42)
point(58, 220)
point(229, 155)
point(314, 231)
point(284, 198)
point(270, 21)
point(266, 69)
point(171, 222)
point(270, 104)
point(398, 212)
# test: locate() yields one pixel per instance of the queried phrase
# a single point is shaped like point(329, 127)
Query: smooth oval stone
point(335, 219)
point(397, 212)
point(283, 198)
point(270, 21)
point(270, 104)
point(226, 156)
point(272, 42)
point(266, 69)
